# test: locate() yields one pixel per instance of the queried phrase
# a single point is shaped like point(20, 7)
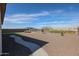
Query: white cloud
point(52, 22)
point(26, 18)
point(22, 18)
point(58, 11)
point(62, 23)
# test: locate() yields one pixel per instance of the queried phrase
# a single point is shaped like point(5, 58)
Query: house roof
point(2, 12)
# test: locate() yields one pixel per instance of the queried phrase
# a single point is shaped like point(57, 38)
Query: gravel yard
point(57, 44)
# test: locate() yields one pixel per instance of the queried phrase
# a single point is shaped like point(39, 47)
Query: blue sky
point(41, 14)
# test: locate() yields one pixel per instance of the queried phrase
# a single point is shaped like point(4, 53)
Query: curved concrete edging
point(40, 52)
point(32, 46)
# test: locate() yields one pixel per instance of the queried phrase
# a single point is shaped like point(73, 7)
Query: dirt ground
point(67, 45)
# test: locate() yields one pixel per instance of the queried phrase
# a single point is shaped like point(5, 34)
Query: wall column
point(0, 33)
point(2, 13)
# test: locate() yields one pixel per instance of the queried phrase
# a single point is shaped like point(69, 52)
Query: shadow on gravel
point(11, 48)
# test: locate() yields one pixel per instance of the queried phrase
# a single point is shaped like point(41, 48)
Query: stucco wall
point(0, 34)
point(2, 13)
